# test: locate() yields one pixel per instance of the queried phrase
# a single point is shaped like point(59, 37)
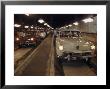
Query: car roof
point(70, 30)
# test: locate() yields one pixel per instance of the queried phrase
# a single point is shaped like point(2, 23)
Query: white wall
point(90, 27)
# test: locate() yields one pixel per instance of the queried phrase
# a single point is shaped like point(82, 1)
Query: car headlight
point(17, 39)
point(32, 38)
point(93, 47)
point(61, 47)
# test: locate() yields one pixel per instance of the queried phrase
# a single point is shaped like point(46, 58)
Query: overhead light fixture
point(17, 25)
point(45, 23)
point(31, 26)
point(66, 26)
point(41, 21)
point(76, 23)
point(26, 26)
point(70, 25)
point(27, 14)
point(48, 26)
point(87, 20)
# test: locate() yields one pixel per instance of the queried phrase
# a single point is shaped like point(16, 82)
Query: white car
point(73, 46)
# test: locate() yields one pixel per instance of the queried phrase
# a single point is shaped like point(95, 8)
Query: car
point(73, 46)
point(27, 41)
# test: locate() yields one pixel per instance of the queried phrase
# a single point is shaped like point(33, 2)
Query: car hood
point(70, 45)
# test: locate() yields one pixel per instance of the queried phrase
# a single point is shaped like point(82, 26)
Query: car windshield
point(70, 33)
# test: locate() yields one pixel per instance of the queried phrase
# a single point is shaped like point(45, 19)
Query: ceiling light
point(76, 23)
point(87, 20)
point(27, 14)
point(31, 26)
point(70, 25)
point(26, 26)
point(17, 25)
point(41, 21)
point(66, 26)
point(48, 26)
point(45, 23)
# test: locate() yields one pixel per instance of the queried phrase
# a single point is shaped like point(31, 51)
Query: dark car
point(28, 41)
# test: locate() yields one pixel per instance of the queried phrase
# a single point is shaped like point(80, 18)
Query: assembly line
point(41, 49)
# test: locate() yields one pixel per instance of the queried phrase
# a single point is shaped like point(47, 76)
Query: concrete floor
point(20, 53)
point(77, 69)
point(38, 64)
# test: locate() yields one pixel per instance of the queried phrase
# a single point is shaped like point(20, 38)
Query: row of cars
point(29, 38)
point(68, 33)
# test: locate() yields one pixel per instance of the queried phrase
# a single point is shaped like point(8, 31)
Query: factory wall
point(90, 27)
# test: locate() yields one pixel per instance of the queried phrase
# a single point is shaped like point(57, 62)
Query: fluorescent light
point(41, 21)
point(45, 24)
point(48, 26)
point(17, 25)
point(66, 26)
point(26, 26)
point(27, 14)
point(87, 20)
point(76, 23)
point(31, 26)
point(70, 25)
